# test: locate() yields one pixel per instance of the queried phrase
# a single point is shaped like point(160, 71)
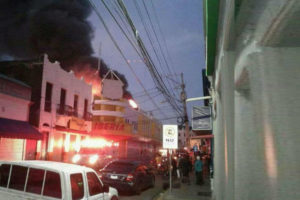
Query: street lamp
point(133, 104)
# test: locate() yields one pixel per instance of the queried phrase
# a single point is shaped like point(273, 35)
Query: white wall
point(257, 95)
point(14, 108)
point(59, 78)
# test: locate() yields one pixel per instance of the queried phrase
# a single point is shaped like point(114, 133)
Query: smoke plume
point(59, 28)
point(87, 67)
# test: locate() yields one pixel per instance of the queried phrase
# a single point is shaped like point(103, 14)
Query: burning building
point(60, 106)
point(119, 120)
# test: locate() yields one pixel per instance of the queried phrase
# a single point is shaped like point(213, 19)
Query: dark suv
point(127, 176)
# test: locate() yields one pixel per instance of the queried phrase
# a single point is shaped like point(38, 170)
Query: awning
point(10, 128)
point(202, 136)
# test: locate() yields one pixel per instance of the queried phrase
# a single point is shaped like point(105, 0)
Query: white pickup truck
point(46, 180)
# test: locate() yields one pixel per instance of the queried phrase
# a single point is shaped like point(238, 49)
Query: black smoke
point(87, 67)
point(59, 28)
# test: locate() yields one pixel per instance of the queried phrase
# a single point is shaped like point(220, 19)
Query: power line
point(120, 51)
point(163, 55)
point(147, 59)
point(128, 37)
point(142, 92)
point(153, 71)
point(160, 48)
point(161, 32)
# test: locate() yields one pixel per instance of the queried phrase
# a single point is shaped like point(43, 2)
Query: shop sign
point(170, 136)
point(108, 126)
point(77, 124)
point(112, 86)
point(201, 118)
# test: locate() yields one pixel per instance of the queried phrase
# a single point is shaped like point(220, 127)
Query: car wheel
point(114, 198)
point(137, 190)
point(152, 182)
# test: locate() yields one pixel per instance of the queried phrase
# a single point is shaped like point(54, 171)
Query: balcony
point(64, 110)
point(69, 111)
point(87, 116)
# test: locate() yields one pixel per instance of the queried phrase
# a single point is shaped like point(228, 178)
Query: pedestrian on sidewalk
point(174, 167)
point(185, 167)
point(198, 171)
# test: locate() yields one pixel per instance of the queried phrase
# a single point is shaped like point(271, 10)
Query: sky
point(180, 37)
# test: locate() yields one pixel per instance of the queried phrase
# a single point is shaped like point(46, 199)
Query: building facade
point(60, 106)
point(18, 139)
point(65, 117)
point(136, 134)
point(252, 61)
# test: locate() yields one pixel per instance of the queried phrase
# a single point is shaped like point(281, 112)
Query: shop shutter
point(11, 149)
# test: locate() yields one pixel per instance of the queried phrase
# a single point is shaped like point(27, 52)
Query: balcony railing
point(69, 111)
point(64, 110)
point(87, 116)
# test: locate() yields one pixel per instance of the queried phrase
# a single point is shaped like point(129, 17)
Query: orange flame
point(90, 75)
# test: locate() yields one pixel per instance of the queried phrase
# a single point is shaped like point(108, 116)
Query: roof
point(10, 128)
point(14, 80)
point(51, 165)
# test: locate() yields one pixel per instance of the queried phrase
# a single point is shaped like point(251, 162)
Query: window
point(62, 101)
point(75, 106)
point(35, 181)
point(48, 97)
point(95, 187)
point(85, 108)
point(77, 186)
point(4, 174)
point(120, 167)
point(18, 177)
point(52, 186)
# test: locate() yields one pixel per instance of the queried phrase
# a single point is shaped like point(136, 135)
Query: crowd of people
point(184, 162)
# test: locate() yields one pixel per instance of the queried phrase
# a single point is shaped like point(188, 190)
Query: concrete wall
point(14, 108)
point(256, 102)
point(59, 78)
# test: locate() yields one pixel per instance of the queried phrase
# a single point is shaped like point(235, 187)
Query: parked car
point(127, 176)
point(45, 180)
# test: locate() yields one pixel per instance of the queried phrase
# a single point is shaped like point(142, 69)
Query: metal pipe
point(198, 98)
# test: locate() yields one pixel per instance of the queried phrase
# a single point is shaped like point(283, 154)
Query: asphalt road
point(147, 194)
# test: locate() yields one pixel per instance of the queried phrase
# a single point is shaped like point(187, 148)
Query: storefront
point(18, 140)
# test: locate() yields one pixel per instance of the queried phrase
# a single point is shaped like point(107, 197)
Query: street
point(147, 194)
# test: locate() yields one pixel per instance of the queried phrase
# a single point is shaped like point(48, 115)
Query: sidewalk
point(187, 192)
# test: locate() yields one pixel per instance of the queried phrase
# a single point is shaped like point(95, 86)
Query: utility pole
point(186, 119)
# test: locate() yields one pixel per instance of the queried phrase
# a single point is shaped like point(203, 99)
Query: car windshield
point(120, 167)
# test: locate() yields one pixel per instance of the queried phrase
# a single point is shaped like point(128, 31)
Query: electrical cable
point(123, 56)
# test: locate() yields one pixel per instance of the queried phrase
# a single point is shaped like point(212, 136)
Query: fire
point(96, 143)
point(90, 76)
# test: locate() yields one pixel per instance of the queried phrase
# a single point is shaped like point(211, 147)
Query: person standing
point(198, 170)
point(195, 149)
point(174, 167)
point(185, 166)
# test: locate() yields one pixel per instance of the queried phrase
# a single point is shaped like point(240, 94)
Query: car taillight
point(129, 177)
